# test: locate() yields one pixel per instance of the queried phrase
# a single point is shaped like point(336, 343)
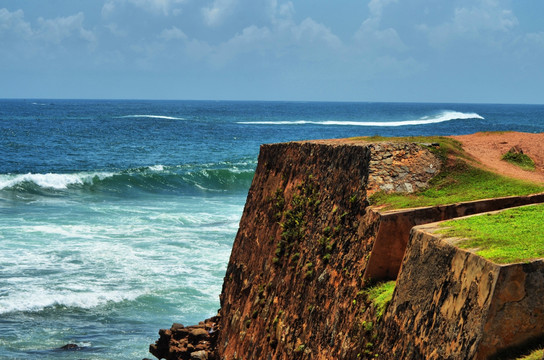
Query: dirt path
point(488, 148)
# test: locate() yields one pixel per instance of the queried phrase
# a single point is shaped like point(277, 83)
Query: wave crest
point(83, 300)
point(156, 178)
point(152, 117)
point(442, 117)
point(50, 180)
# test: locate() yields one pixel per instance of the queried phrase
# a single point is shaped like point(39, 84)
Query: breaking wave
point(442, 117)
point(157, 178)
point(152, 117)
point(84, 300)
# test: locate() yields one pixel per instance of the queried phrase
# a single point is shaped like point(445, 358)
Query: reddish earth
point(488, 149)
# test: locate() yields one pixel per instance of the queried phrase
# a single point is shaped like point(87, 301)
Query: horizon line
point(271, 101)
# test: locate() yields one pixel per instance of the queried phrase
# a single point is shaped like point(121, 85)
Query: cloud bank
point(384, 46)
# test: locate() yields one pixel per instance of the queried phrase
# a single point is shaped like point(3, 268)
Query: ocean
point(117, 217)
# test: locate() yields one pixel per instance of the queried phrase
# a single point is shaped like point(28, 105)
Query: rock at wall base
point(187, 343)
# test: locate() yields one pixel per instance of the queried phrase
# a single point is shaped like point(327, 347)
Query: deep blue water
point(117, 217)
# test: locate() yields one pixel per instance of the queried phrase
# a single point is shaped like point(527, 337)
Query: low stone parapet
point(450, 303)
point(394, 229)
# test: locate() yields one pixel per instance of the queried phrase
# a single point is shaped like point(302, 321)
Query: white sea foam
point(69, 231)
point(39, 300)
point(50, 180)
point(442, 117)
point(153, 117)
point(156, 168)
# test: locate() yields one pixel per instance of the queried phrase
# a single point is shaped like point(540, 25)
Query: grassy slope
point(458, 180)
point(514, 235)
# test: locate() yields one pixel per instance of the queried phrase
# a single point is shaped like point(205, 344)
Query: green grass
point(521, 160)
point(380, 295)
point(458, 180)
point(515, 235)
point(459, 183)
point(535, 355)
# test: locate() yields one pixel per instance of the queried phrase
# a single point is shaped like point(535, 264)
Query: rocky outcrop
point(187, 343)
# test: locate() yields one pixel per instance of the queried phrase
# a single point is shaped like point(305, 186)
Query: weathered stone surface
point(177, 326)
point(292, 298)
point(308, 244)
point(402, 167)
point(516, 313)
point(199, 355)
point(198, 334)
point(394, 229)
point(452, 304)
point(440, 301)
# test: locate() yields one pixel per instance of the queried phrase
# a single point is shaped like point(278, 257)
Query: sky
point(478, 51)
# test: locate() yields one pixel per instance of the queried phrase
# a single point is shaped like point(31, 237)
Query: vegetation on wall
point(535, 355)
point(380, 295)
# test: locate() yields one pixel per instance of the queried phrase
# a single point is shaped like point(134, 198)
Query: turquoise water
point(117, 217)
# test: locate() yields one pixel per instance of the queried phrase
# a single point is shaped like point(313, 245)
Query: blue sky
point(347, 50)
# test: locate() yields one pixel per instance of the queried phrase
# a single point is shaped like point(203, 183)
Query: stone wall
point(298, 258)
point(452, 304)
point(308, 246)
point(400, 167)
point(394, 229)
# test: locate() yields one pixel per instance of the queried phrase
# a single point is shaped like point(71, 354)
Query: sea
point(117, 217)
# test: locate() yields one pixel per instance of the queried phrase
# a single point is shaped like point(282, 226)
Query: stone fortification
point(309, 246)
point(296, 262)
point(452, 304)
point(394, 229)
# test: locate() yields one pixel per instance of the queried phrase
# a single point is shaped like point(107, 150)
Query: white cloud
point(251, 40)
point(108, 8)
point(14, 23)
point(371, 37)
point(158, 7)
point(536, 38)
point(280, 37)
point(249, 37)
point(487, 16)
point(311, 31)
point(115, 30)
point(286, 10)
point(53, 31)
point(58, 29)
point(483, 21)
point(281, 15)
point(197, 50)
point(47, 42)
point(218, 11)
point(376, 6)
point(173, 33)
